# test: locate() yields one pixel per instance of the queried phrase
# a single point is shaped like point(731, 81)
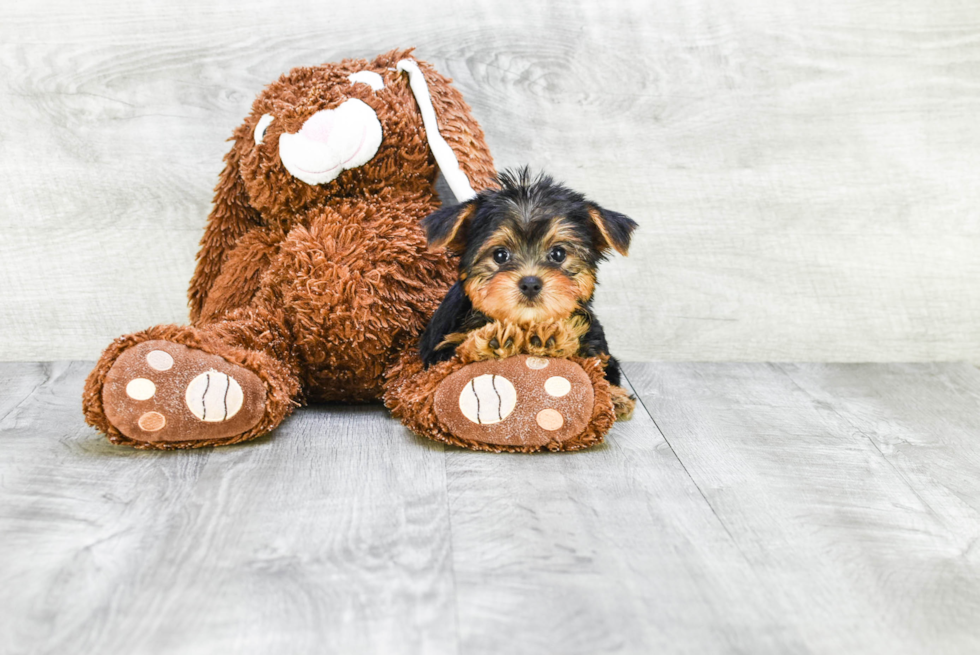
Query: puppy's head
point(529, 250)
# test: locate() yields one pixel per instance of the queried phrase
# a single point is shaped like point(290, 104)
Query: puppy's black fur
point(527, 211)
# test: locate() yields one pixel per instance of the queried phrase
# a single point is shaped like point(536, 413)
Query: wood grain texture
point(747, 508)
point(610, 550)
point(851, 490)
point(804, 174)
point(333, 536)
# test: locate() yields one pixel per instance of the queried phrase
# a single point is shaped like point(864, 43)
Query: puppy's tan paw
point(497, 340)
point(623, 403)
point(555, 338)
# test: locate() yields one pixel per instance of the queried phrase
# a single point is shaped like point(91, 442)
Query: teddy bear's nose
point(319, 126)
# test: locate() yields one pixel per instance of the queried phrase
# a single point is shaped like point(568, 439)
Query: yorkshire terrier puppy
point(528, 255)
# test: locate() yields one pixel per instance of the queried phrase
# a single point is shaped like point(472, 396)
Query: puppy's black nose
point(530, 285)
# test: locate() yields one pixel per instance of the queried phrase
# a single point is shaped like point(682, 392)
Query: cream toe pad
point(160, 360)
point(140, 389)
point(536, 363)
point(557, 386)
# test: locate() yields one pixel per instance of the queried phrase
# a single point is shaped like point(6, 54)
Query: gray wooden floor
point(747, 508)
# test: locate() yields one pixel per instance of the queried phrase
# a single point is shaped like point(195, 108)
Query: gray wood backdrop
point(804, 173)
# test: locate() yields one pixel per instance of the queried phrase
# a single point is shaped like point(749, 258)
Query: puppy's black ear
point(447, 227)
point(613, 230)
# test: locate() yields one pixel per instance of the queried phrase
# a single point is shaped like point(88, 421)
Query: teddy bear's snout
point(319, 126)
point(331, 141)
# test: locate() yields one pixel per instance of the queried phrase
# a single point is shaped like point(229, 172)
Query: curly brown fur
point(529, 251)
point(319, 288)
point(256, 193)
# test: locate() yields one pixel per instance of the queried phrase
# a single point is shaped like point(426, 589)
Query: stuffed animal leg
point(178, 386)
point(522, 403)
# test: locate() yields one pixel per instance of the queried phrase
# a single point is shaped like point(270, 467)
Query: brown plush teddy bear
point(313, 281)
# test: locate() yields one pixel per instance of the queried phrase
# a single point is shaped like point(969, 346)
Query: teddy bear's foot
point(163, 392)
point(522, 402)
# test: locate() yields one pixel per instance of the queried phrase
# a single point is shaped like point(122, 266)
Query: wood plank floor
point(747, 508)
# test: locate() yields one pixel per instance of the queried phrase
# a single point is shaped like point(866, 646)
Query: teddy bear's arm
point(230, 218)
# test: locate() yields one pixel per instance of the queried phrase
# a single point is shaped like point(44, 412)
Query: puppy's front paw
point(554, 338)
point(497, 340)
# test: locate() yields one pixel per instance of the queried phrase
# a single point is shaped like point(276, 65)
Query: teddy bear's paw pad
point(520, 401)
point(160, 391)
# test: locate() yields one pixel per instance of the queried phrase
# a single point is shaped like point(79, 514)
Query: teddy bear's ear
point(232, 215)
point(447, 227)
point(613, 230)
point(455, 137)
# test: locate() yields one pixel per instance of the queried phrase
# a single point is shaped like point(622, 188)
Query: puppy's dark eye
point(501, 255)
point(557, 254)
